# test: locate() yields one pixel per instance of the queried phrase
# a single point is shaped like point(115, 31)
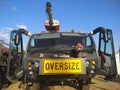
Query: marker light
point(93, 62)
point(29, 63)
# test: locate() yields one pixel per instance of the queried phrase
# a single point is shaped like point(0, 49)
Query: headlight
point(29, 68)
point(93, 67)
point(31, 72)
point(36, 64)
point(87, 63)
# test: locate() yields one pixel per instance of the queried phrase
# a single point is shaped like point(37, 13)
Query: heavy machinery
point(3, 62)
point(50, 58)
point(3, 52)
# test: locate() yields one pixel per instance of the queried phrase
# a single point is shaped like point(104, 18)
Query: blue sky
point(80, 15)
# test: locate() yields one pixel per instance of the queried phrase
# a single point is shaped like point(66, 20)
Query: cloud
point(21, 26)
point(5, 37)
point(5, 33)
point(8, 28)
point(14, 8)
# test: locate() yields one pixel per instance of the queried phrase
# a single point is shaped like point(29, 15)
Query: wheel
point(87, 81)
point(86, 87)
point(28, 88)
point(1, 85)
point(3, 79)
point(80, 86)
point(36, 86)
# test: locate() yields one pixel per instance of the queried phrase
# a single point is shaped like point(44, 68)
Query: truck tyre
point(28, 88)
point(80, 87)
point(36, 86)
point(3, 79)
point(87, 81)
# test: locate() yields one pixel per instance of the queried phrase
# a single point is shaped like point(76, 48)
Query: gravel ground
point(99, 84)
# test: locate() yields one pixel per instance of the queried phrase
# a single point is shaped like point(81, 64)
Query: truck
point(51, 58)
point(118, 63)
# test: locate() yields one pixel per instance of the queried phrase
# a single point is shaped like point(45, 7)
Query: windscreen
point(58, 40)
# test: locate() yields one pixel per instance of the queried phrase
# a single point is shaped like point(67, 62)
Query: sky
point(80, 15)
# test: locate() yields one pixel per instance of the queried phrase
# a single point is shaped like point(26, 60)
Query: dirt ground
point(99, 84)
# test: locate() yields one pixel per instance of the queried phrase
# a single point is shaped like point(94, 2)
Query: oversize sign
point(62, 66)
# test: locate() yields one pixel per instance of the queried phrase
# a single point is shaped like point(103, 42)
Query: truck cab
point(51, 53)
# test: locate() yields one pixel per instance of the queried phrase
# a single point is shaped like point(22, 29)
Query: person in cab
point(76, 52)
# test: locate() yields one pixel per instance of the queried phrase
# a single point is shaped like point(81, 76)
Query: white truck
point(118, 63)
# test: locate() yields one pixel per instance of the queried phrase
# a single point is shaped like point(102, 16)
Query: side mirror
point(17, 39)
point(18, 43)
point(105, 36)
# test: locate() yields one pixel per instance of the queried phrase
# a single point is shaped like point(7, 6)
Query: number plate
point(62, 66)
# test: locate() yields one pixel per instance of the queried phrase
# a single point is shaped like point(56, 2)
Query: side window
point(105, 47)
point(32, 42)
point(13, 41)
point(109, 45)
point(88, 42)
point(102, 45)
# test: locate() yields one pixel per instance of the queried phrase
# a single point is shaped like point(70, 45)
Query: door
point(106, 51)
point(14, 61)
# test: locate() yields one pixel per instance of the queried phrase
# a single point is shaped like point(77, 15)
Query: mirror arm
point(23, 31)
point(100, 29)
point(19, 34)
